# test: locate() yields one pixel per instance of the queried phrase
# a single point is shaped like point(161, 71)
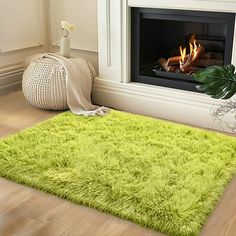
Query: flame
point(182, 54)
point(193, 50)
point(195, 47)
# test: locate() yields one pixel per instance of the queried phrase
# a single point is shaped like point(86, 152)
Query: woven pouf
point(44, 84)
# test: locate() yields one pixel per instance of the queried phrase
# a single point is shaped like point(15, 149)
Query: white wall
point(23, 29)
point(23, 32)
point(24, 24)
point(82, 13)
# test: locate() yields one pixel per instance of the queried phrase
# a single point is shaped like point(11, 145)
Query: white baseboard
point(10, 87)
point(11, 77)
point(171, 104)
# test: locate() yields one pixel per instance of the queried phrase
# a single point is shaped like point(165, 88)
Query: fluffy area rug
point(164, 176)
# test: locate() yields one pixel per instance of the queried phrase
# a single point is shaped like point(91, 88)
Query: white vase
point(65, 46)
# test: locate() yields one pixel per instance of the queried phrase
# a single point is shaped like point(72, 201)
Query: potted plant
point(68, 28)
point(219, 82)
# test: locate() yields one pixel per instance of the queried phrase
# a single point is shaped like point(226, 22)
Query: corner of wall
point(9, 60)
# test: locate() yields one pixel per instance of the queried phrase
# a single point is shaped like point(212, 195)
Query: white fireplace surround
point(113, 87)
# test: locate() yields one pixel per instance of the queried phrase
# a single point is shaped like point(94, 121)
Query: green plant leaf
point(217, 81)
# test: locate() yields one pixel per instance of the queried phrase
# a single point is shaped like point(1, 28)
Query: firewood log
point(210, 62)
point(213, 55)
point(165, 66)
point(173, 60)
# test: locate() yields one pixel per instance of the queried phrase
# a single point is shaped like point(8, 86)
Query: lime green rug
point(164, 176)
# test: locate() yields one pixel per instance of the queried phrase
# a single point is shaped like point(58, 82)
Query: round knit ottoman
point(44, 84)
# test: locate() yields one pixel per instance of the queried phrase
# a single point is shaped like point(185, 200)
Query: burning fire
point(185, 62)
point(193, 51)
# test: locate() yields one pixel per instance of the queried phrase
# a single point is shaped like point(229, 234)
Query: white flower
point(68, 27)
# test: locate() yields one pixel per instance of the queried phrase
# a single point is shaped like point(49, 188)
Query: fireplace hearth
point(168, 46)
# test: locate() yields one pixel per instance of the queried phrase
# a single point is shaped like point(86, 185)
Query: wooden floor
point(25, 211)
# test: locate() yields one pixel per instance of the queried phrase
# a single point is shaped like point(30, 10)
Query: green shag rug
point(164, 176)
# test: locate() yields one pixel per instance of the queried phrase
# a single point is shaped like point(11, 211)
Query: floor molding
point(11, 77)
point(189, 108)
point(10, 83)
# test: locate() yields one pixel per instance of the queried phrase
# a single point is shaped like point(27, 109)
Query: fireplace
point(169, 46)
point(133, 35)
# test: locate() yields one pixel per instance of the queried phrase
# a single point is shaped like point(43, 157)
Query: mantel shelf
point(201, 5)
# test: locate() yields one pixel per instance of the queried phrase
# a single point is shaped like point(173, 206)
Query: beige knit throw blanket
point(79, 78)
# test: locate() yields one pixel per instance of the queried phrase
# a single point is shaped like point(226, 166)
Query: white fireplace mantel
point(113, 87)
point(198, 5)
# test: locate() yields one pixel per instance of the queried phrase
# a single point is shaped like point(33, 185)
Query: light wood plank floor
point(25, 211)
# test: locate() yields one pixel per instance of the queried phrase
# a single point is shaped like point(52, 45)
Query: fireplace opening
point(168, 46)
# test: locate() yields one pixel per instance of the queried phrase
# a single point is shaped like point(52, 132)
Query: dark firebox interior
point(159, 34)
point(169, 35)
